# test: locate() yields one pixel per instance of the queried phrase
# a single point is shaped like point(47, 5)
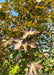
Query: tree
point(25, 45)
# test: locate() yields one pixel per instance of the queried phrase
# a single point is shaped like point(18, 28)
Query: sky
point(2, 1)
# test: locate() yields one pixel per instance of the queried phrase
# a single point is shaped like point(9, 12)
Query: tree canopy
point(26, 37)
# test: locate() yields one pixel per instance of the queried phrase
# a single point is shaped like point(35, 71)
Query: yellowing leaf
point(41, 7)
point(26, 33)
point(33, 68)
point(47, 33)
point(7, 37)
point(32, 45)
point(8, 42)
point(25, 46)
point(4, 40)
point(18, 44)
point(46, 55)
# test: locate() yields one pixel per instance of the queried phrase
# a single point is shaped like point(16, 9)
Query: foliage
point(25, 39)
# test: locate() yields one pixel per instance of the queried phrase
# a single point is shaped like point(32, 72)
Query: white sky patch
point(38, 1)
point(0, 6)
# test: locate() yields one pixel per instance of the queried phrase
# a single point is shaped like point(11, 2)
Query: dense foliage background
point(26, 43)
